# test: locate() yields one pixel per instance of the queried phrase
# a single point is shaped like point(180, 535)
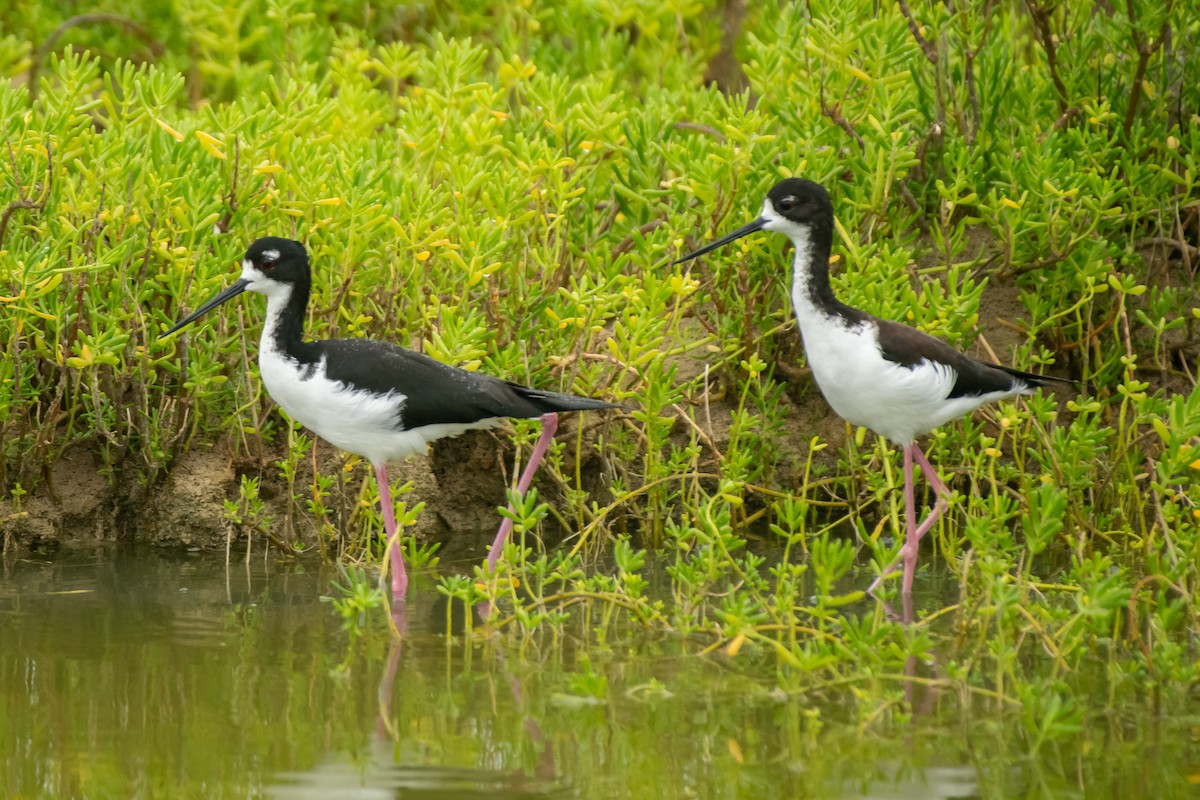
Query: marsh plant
point(504, 186)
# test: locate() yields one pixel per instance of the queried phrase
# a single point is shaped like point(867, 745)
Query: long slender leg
point(399, 576)
point(939, 488)
point(549, 426)
point(931, 475)
point(909, 530)
point(908, 553)
point(914, 533)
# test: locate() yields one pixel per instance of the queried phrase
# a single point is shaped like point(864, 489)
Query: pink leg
point(549, 426)
point(912, 539)
point(914, 533)
point(399, 576)
point(931, 475)
point(939, 488)
point(910, 531)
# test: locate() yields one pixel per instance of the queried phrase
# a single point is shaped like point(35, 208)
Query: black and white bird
point(375, 399)
point(895, 380)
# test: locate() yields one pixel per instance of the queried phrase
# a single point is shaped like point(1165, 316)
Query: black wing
point(908, 347)
point(437, 393)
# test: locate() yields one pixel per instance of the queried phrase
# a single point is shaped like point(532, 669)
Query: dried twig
point(1041, 23)
point(24, 201)
point(1145, 50)
point(231, 203)
point(834, 113)
point(696, 126)
point(927, 46)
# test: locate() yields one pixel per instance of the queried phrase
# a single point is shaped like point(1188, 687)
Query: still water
point(139, 674)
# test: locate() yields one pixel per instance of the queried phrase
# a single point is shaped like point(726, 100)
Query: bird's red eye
point(268, 264)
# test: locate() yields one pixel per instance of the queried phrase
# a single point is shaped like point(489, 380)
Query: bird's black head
point(271, 266)
point(792, 206)
point(798, 201)
point(274, 260)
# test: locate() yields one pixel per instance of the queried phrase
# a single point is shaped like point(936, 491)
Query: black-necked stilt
point(881, 375)
point(372, 398)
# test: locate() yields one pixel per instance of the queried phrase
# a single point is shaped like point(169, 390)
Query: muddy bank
point(460, 480)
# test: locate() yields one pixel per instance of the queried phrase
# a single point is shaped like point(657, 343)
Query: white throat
point(277, 300)
point(802, 270)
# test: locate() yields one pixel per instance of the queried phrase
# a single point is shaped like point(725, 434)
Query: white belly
point(865, 389)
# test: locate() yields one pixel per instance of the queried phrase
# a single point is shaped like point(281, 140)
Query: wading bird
point(895, 380)
point(372, 398)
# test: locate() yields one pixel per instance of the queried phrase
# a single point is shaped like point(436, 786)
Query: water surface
point(138, 673)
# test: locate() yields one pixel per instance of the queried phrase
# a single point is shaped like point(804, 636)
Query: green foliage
point(503, 185)
point(249, 513)
point(357, 597)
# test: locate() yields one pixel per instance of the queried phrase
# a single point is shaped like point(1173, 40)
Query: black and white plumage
point(893, 379)
point(372, 398)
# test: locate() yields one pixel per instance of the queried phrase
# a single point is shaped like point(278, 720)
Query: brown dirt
point(461, 481)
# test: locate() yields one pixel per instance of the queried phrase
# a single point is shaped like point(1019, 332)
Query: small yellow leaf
point(735, 645)
point(178, 136)
point(858, 73)
point(211, 144)
point(48, 285)
point(735, 750)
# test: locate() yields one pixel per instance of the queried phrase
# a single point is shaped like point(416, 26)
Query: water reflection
point(142, 674)
point(340, 779)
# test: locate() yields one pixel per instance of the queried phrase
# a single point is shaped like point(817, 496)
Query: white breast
point(896, 401)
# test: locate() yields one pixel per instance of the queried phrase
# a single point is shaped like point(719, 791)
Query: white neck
point(802, 289)
point(277, 301)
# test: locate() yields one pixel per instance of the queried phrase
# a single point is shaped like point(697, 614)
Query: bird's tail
point(547, 402)
point(1033, 379)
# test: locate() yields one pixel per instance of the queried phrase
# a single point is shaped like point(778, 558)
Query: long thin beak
point(233, 291)
point(745, 230)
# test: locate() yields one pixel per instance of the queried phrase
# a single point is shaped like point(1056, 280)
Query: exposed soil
point(460, 480)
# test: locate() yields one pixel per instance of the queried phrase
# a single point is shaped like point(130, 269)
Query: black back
point(909, 347)
point(436, 393)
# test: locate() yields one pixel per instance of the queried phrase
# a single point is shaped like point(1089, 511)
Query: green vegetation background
point(503, 185)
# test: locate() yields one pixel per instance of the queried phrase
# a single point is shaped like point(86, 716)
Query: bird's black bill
point(745, 230)
point(233, 291)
